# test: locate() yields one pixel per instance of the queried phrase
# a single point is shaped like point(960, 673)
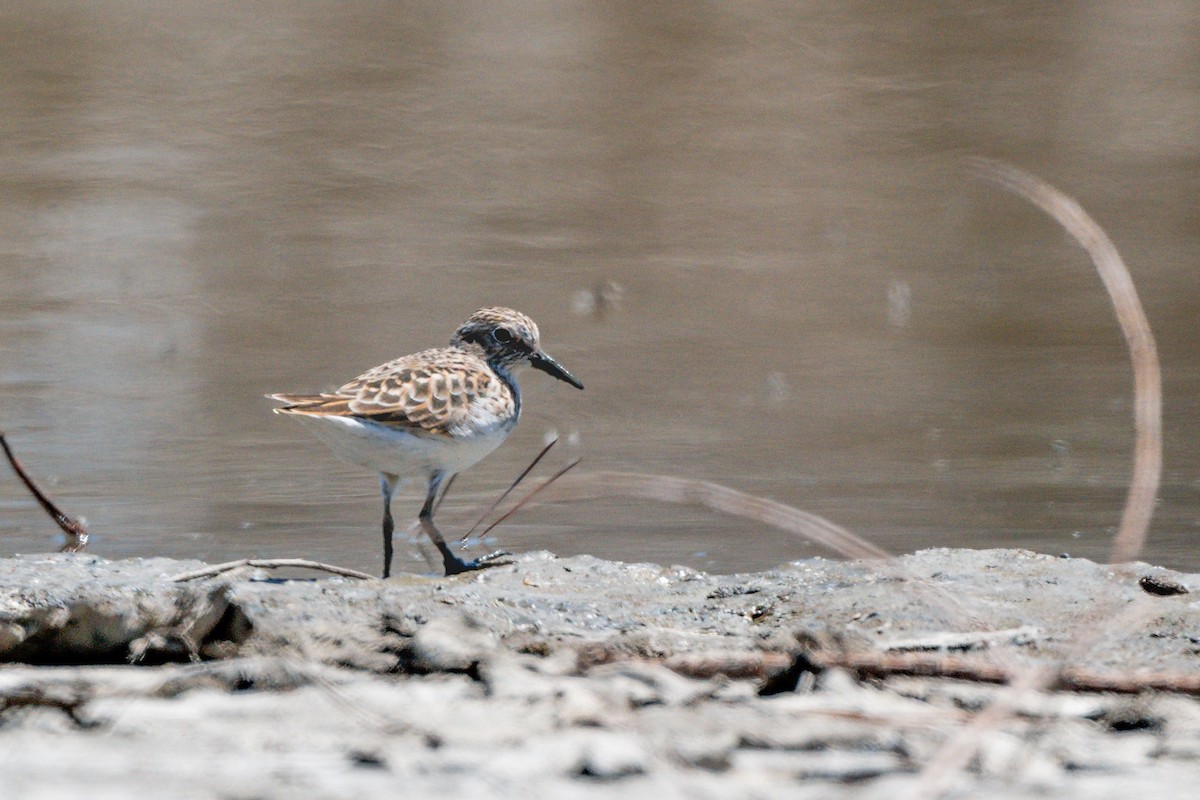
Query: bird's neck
point(504, 372)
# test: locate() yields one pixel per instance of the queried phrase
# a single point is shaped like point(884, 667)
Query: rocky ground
point(576, 677)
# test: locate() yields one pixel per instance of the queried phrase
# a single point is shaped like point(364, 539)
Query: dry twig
point(527, 498)
point(1147, 462)
point(1068, 679)
point(764, 665)
point(77, 534)
point(466, 537)
point(269, 563)
point(1147, 377)
point(68, 703)
point(671, 489)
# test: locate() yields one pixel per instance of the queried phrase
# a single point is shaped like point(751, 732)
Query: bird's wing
point(434, 391)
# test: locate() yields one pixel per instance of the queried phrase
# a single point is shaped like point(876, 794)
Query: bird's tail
point(312, 404)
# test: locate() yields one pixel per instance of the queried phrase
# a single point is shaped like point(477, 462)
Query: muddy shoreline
point(580, 677)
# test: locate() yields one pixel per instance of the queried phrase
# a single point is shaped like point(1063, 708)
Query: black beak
point(549, 366)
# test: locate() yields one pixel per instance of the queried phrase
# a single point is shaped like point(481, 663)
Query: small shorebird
point(432, 413)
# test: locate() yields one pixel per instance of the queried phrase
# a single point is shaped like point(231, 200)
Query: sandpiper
point(432, 413)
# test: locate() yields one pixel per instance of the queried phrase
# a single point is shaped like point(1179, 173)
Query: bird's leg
point(453, 564)
point(387, 484)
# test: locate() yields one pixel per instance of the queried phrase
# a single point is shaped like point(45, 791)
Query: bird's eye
point(502, 335)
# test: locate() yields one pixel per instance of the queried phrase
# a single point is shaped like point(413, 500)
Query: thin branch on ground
point(77, 533)
point(270, 563)
point(877, 665)
point(39, 697)
point(962, 641)
point(1068, 679)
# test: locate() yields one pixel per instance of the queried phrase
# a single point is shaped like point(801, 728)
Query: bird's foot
point(456, 566)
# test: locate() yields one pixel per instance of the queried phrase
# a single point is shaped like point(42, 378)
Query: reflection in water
point(748, 226)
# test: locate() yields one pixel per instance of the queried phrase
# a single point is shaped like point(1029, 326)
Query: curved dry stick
point(1147, 377)
point(1147, 463)
point(670, 489)
point(723, 499)
point(77, 533)
point(269, 563)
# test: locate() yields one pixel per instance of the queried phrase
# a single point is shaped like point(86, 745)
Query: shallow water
point(747, 229)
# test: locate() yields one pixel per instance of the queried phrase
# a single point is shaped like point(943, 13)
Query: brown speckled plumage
point(439, 392)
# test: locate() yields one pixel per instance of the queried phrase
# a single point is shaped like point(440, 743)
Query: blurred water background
point(746, 227)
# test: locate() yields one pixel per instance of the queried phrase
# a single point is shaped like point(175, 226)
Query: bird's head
point(510, 339)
